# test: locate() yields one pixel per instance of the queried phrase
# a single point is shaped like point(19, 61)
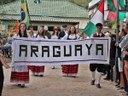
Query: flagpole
point(117, 21)
point(117, 33)
point(28, 10)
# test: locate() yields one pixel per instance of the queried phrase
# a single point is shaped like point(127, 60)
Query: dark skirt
point(1, 79)
point(126, 57)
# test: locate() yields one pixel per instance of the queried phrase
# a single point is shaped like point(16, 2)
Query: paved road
point(54, 84)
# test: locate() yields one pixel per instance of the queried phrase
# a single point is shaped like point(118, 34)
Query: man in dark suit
point(63, 32)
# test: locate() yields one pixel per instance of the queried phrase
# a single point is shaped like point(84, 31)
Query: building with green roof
point(45, 12)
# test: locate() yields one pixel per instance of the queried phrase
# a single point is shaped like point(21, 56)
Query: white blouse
point(71, 36)
point(54, 37)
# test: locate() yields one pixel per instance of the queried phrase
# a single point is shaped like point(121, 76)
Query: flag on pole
point(122, 3)
point(97, 18)
point(112, 15)
point(24, 13)
point(122, 16)
point(111, 5)
point(17, 26)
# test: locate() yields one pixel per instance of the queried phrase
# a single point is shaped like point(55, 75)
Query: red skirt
point(20, 77)
point(70, 69)
point(37, 69)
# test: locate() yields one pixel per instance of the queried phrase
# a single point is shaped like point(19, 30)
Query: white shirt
point(71, 36)
point(54, 37)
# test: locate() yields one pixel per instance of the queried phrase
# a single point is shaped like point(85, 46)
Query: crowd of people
point(117, 70)
point(119, 61)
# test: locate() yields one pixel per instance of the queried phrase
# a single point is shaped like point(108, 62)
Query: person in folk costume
point(31, 32)
point(63, 32)
point(55, 36)
point(2, 63)
point(95, 66)
point(70, 70)
point(31, 35)
point(39, 70)
point(20, 73)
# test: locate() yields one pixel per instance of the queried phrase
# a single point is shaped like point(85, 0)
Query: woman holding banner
point(70, 70)
point(55, 36)
point(20, 73)
point(39, 70)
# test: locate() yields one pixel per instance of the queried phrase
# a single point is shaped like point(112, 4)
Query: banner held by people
point(35, 51)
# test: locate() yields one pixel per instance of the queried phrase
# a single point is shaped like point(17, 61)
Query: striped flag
point(122, 3)
point(111, 5)
point(24, 13)
point(112, 13)
point(97, 18)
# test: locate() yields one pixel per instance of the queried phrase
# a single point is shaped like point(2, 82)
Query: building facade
point(44, 12)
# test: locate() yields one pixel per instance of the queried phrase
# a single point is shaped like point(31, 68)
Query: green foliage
point(83, 3)
point(6, 1)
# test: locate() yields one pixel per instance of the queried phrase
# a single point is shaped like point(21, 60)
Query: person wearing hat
point(96, 66)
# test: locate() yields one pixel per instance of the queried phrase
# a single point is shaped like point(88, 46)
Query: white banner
point(35, 51)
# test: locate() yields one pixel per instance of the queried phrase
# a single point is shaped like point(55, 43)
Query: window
point(50, 28)
point(35, 28)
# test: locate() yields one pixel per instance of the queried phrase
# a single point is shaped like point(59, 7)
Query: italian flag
point(111, 4)
point(97, 18)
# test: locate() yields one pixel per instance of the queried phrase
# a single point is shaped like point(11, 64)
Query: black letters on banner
point(45, 49)
point(88, 47)
point(55, 52)
point(23, 48)
point(99, 47)
point(34, 49)
point(78, 48)
point(70, 51)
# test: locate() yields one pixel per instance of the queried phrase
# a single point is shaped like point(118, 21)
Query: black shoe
point(120, 88)
point(106, 78)
point(93, 82)
point(41, 75)
point(98, 86)
point(53, 67)
point(22, 85)
point(19, 85)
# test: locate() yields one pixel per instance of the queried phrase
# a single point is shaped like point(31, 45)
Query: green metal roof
point(39, 18)
point(47, 8)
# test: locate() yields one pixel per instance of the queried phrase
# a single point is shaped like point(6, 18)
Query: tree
point(6, 1)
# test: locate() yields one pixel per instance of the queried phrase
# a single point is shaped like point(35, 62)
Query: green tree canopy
point(6, 1)
point(82, 3)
